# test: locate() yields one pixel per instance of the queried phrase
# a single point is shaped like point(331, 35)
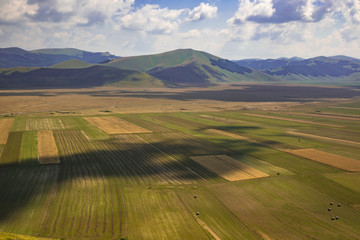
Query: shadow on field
point(125, 158)
point(249, 93)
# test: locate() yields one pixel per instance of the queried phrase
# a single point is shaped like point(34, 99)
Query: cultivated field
point(334, 160)
point(5, 125)
point(228, 168)
point(44, 124)
point(47, 150)
point(186, 164)
point(115, 125)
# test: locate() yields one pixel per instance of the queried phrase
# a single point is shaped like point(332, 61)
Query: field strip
point(115, 125)
point(207, 228)
point(228, 168)
point(222, 119)
point(321, 137)
point(345, 163)
point(349, 108)
point(233, 135)
point(44, 124)
point(354, 118)
point(47, 150)
point(5, 125)
point(293, 120)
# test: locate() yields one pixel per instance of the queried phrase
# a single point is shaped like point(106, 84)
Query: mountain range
point(319, 69)
point(69, 67)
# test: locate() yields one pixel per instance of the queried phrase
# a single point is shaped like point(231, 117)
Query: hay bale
point(197, 213)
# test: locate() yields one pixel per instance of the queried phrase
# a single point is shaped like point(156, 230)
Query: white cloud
point(308, 10)
point(193, 33)
point(203, 11)
point(151, 19)
point(256, 8)
point(15, 10)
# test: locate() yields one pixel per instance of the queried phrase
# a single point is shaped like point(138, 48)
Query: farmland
point(254, 171)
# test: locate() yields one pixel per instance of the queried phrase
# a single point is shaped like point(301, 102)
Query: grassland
point(146, 185)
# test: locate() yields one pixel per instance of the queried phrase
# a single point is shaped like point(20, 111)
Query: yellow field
point(47, 150)
point(5, 125)
point(233, 135)
point(345, 163)
point(115, 125)
point(228, 168)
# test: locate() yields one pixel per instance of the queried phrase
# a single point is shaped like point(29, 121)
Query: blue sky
point(233, 29)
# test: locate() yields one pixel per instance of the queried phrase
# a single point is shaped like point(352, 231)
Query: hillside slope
point(23, 78)
point(185, 67)
point(17, 57)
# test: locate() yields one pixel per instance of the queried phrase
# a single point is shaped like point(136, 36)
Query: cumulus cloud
point(55, 11)
point(282, 11)
point(151, 19)
point(12, 11)
point(252, 9)
point(203, 11)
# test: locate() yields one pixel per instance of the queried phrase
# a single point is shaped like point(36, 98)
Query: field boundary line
point(292, 120)
point(322, 137)
point(202, 224)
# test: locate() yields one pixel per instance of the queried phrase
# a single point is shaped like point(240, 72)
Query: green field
point(145, 185)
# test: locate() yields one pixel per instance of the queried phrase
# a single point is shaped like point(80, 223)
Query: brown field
point(228, 168)
point(293, 120)
point(345, 163)
point(233, 135)
point(130, 100)
point(5, 125)
point(47, 150)
point(321, 137)
point(115, 125)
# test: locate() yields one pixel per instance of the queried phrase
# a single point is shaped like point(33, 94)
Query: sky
point(232, 29)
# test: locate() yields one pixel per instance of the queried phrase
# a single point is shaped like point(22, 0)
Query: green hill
point(75, 63)
point(23, 78)
point(17, 57)
point(189, 67)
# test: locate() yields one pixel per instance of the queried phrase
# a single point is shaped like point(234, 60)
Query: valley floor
point(181, 164)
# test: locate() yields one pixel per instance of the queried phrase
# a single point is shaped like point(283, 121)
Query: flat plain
point(148, 184)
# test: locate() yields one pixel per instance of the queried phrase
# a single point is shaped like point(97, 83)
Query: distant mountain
point(184, 67)
point(261, 64)
point(83, 77)
point(17, 57)
point(334, 69)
